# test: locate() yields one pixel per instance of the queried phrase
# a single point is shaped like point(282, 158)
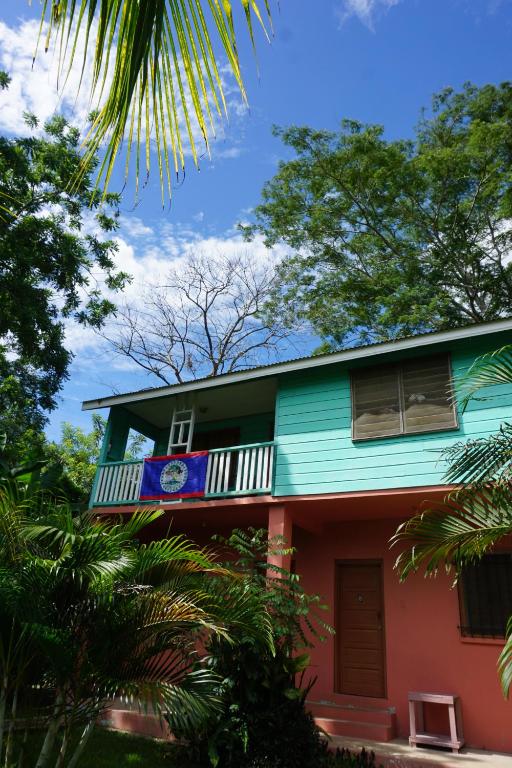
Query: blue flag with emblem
point(181, 476)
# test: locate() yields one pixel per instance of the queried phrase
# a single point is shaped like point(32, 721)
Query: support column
point(280, 523)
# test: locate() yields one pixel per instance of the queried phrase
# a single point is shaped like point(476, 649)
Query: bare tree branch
point(204, 321)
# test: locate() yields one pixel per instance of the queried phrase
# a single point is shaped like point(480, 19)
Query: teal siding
point(315, 452)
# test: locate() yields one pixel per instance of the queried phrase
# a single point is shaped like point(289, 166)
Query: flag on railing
point(181, 476)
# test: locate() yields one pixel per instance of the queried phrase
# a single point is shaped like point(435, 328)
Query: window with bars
point(485, 596)
point(405, 398)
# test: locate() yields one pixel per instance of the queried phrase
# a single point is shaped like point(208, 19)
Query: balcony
point(242, 470)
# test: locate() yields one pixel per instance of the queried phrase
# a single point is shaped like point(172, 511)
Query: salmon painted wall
point(424, 650)
point(315, 451)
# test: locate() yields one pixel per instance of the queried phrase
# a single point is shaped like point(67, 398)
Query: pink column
point(280, 524)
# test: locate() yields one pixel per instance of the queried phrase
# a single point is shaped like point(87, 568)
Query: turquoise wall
point(315, 452)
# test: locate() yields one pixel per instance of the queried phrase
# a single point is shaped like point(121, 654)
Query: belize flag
point(181, 476)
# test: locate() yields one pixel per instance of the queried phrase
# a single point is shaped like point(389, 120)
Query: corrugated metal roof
point(302, 363)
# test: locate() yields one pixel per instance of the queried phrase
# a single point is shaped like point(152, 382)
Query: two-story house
point(334, 452)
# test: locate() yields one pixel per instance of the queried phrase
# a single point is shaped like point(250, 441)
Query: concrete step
point(356, 729)
point(363, 714)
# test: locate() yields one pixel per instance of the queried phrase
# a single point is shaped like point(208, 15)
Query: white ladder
point(182, 430)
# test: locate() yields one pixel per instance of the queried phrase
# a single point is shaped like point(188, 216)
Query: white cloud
point(35, 88)
point(364, 10)
point(135, 227)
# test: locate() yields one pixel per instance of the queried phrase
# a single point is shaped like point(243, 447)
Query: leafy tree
point(474, 518)
point(113, 617)
point(78, 453)
point(153, 57)
point(50, 243)
point(396, 237)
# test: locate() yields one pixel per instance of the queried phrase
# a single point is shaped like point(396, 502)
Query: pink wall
point(423, 647)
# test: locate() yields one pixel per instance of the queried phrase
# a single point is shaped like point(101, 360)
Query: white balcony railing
point(239, 471)
point(117, 483)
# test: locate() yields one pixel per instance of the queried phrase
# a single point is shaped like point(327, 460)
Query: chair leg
point(453, 727)
point(412, 724)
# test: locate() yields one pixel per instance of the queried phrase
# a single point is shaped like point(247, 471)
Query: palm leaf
point(460, 530)
point(488, 370)
point(152, 61)
point(478, 461)
point(505, 662)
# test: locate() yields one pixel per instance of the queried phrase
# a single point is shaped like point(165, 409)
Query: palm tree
point(89, 614)
point(473, 518)
point(155, 62)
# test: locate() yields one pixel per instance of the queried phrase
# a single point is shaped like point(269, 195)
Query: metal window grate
point(485, 596)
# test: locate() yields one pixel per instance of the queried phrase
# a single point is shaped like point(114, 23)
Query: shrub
point(264, 723)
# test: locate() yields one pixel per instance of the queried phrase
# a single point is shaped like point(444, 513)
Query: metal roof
point(304, 363)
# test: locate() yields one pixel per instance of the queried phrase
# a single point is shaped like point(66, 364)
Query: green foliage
point(396, 237)
point(472, 519)
point(78, 452)
point(50, 243)
point(264, 721)
point(159, 57)
point(89, 614)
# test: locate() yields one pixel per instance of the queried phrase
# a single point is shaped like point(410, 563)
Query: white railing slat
point(245, 475)
point(207, 483)
point(264, 468)
point(227, 467)
point(252, 470)
point(220, 474)
point(239, 468)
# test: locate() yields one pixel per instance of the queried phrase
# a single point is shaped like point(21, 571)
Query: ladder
point(182, 430)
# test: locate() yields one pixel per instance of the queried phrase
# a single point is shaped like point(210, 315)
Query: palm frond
point(156, 64)
point(489, 370)
point(505, 662)
point(187, 706)
point(478, 461)
point(459, 530)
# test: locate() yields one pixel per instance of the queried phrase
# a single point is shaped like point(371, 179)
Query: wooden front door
point(360, 647)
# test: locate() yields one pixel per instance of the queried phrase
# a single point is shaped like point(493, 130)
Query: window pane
point(486, 596)
point(426, 392)
point(376, 403)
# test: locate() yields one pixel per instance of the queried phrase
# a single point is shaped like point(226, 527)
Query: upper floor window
point(405, 398)
point(485, 596)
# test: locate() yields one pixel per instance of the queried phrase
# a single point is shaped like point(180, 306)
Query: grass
point(111, 749)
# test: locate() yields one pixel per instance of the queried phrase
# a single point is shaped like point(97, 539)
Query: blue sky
point(373, 60)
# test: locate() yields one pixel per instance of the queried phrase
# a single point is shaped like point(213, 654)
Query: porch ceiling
point(231, 401)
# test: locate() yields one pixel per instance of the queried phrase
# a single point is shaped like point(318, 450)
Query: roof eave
point(276, 369)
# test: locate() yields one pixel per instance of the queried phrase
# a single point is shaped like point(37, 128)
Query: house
point(334, 452)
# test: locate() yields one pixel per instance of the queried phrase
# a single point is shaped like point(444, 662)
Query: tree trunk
point(3, 701)
point(63, 748)
point(51, 733)
point(10, 732)
point(84, 738)
point(21, 754)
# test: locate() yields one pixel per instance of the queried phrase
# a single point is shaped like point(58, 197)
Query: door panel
point(360, 647)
